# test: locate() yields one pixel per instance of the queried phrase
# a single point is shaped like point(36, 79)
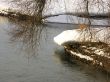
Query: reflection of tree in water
point(28, 33)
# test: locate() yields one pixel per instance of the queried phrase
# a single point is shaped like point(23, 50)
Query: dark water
point(28, 54)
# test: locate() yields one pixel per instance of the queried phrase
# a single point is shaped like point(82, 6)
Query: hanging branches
point(83, 8)
point(34, 8)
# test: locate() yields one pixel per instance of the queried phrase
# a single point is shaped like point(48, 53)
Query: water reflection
point(28, 33)
point(14, 67)
point(73, 64)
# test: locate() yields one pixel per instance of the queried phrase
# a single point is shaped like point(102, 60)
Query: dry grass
point(83, 26)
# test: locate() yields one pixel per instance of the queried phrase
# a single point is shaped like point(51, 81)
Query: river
point(28, 54)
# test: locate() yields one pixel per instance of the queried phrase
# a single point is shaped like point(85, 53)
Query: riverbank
point(24, 16)
point(90, 47)
point(15, 14)
point(95, 54)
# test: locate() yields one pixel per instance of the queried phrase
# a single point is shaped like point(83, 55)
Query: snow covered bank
point(78, 35)
point(89, 46)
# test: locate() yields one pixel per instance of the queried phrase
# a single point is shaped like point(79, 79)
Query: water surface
point(28, 54)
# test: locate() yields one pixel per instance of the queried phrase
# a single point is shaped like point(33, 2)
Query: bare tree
point(31, 7)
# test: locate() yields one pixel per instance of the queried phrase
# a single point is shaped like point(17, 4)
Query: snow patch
point(77, 35)
point(82, 56)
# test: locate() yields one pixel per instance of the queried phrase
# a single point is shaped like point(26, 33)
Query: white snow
point(82, 56)
point(4, 4)
point(77, 35)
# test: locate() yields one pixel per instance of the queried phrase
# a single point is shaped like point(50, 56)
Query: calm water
point(28, 54)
